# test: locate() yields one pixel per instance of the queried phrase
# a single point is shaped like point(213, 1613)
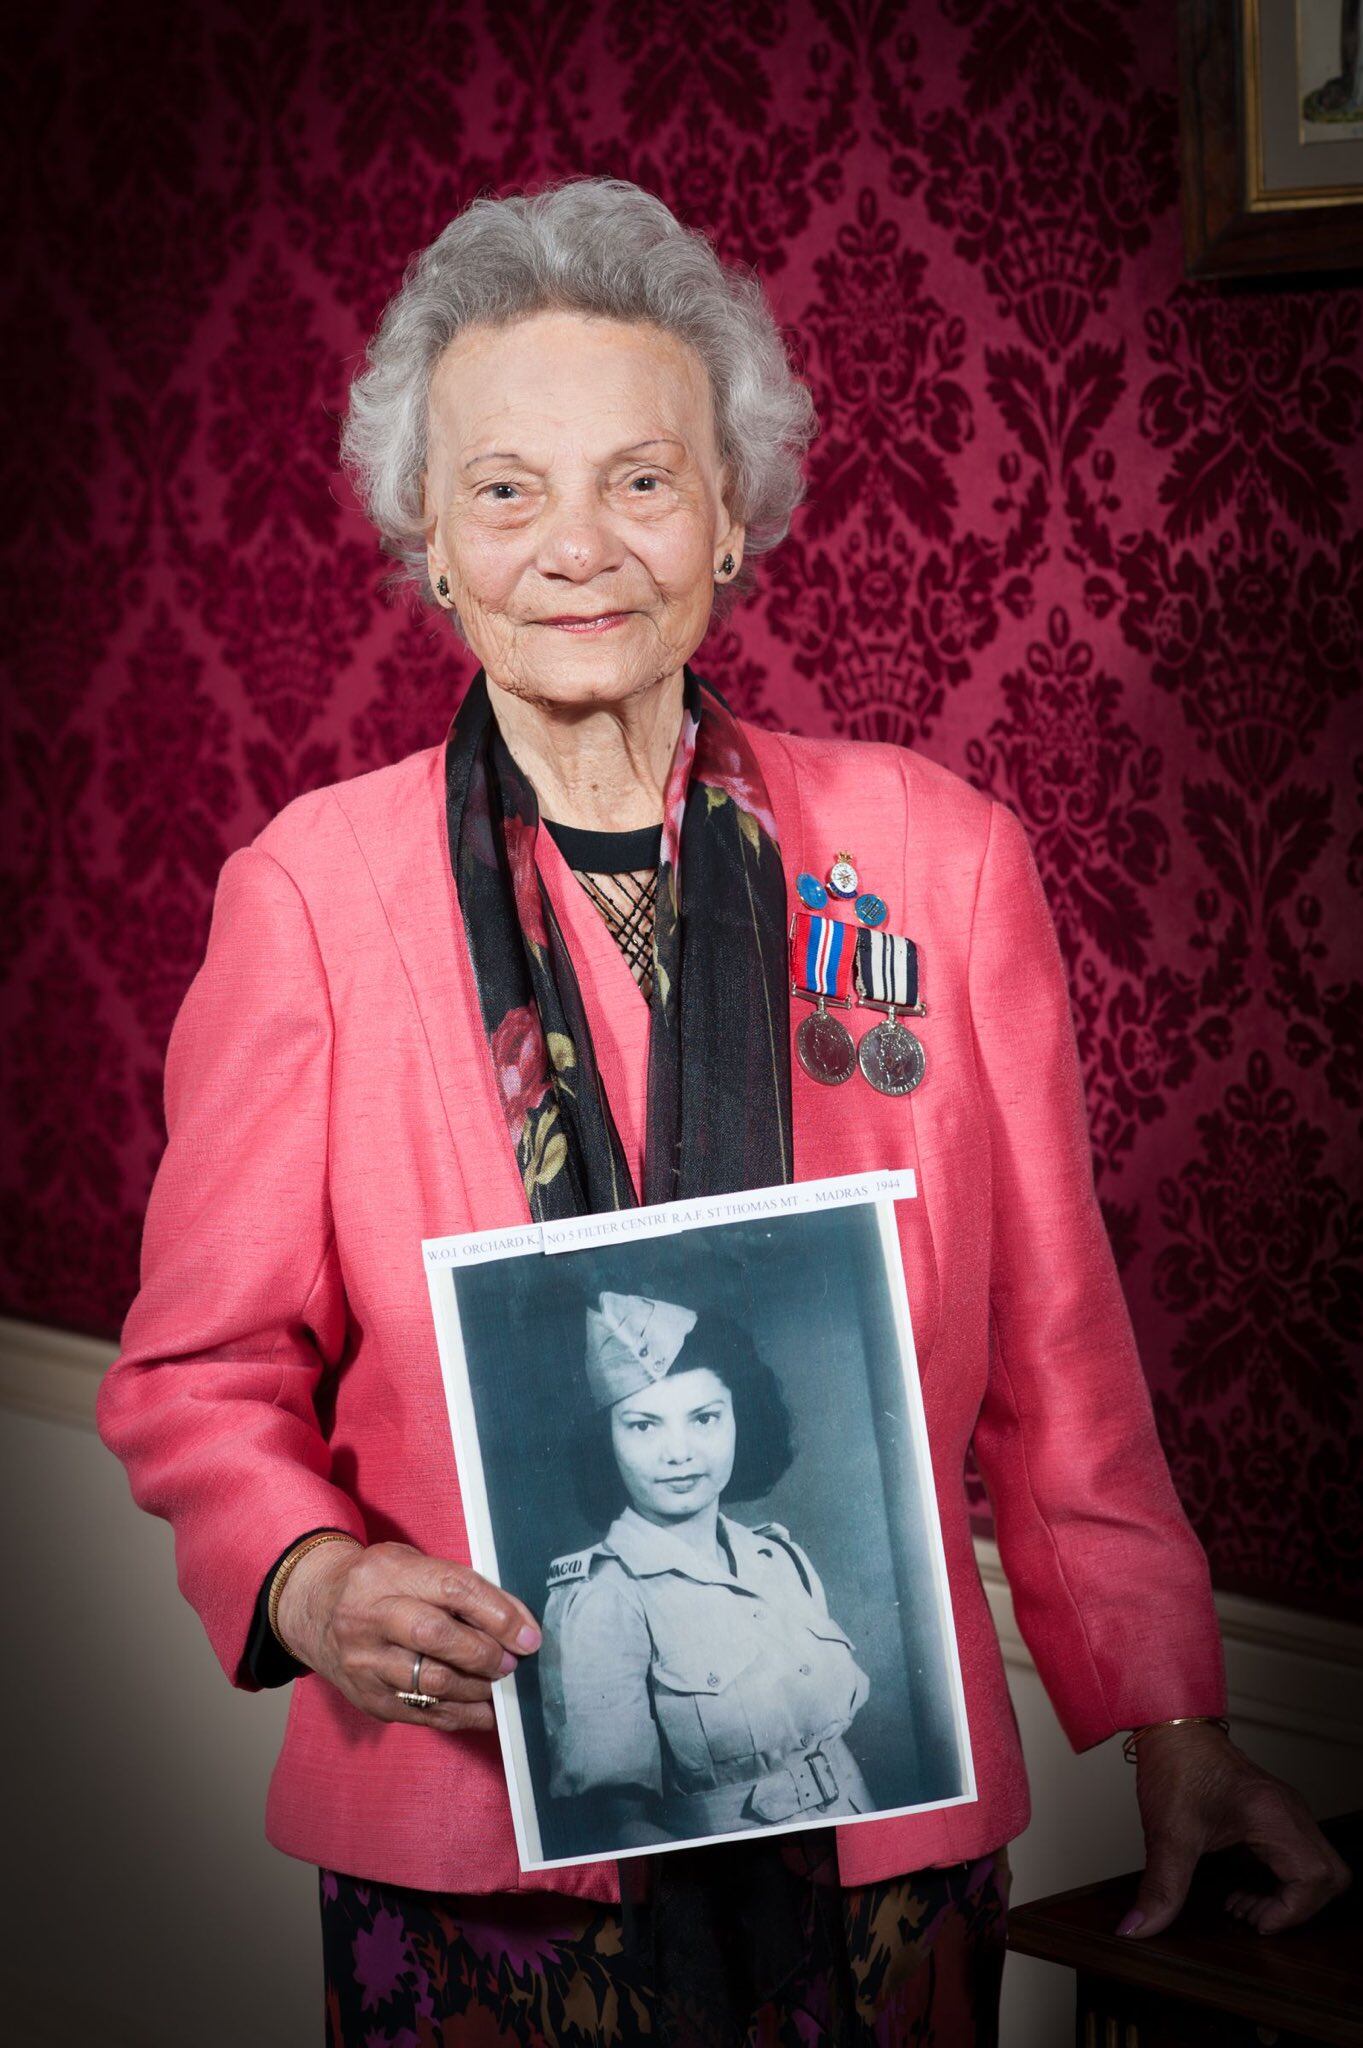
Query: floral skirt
point(410, 1969)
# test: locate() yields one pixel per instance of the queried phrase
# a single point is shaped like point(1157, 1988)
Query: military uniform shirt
point(724, 1692)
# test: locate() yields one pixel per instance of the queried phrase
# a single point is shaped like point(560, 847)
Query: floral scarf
point(718, 1104)
point(718, 1120)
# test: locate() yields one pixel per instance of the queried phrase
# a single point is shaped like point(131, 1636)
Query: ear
point(437, 559)
point(436, 567)
point(730, 535)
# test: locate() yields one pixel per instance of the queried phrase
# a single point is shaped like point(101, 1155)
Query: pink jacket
point(331, 1102)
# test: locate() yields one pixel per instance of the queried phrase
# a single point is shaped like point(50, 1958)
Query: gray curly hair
point(590, 245)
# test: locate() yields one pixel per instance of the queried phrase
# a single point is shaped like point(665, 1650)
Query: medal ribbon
point(887, 969)
point(822, 956)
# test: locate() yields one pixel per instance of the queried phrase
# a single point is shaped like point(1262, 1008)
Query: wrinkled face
point(674, 1444)
point(576, 504)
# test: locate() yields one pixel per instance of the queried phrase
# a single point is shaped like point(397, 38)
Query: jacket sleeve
point(1110, 1585)
point(241, 1307)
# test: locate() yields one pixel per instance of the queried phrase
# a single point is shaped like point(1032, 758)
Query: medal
point(842, 877)
point(822, 960)
point(825, 1048)
point(890, 1057)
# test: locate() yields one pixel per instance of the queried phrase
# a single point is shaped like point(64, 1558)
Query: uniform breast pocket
point(834, 1686)
point(701, 1709)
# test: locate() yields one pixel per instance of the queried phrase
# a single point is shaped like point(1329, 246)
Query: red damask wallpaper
point(1087, 534)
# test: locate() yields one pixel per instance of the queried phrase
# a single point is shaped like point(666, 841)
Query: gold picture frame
point(1272, 136)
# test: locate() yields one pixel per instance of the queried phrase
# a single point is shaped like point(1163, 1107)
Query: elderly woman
point(421, 1013)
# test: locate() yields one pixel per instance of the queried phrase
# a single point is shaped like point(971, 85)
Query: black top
point(598, 853)
point(268, 1662)
point(607, 853)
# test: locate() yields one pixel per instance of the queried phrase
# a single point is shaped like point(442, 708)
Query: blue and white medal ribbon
point(887, 971)
point(890, 1057)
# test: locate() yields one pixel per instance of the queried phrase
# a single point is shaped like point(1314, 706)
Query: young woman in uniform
point(693, 1680)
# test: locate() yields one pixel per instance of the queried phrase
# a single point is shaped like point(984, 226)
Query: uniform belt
point(806, 1783)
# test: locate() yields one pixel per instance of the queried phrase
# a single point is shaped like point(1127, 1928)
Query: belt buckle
point(821, 1770)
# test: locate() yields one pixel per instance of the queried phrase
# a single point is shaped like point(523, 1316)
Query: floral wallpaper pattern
point(1087, 533)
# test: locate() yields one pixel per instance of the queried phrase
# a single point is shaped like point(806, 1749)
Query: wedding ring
point(416, 1697)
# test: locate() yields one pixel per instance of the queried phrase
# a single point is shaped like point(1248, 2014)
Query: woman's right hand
point(359, 1617)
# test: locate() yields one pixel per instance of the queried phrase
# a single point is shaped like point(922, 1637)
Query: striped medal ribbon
point(890, 1057)
point(823, 952)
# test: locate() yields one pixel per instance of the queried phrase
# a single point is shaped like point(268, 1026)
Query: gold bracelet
point(281, 1577)
point(1179, 1721)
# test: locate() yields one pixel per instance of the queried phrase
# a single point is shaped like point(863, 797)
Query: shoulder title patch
point(564, 1570)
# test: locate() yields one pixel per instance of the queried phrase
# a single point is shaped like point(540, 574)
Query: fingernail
point(528, 1639)
point(508, 1664)
point(1132, 1921)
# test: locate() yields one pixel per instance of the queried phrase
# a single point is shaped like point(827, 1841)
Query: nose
point(576, 542)
point(676, 1450)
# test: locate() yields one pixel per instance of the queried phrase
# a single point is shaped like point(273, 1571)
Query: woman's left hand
point(1197, 1792)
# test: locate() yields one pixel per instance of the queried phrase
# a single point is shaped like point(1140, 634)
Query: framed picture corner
point(1271, 138)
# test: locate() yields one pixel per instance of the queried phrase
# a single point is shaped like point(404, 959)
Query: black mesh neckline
point(607, 853)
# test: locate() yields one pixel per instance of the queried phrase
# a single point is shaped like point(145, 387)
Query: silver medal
point(825, 1048)
point(891, 1058)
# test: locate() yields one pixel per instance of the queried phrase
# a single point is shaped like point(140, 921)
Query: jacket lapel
point(851, 1128)
point(404, 848)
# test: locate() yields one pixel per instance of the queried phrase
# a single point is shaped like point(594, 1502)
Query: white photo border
point(442, 1256)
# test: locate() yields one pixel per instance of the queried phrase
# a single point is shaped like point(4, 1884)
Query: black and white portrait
point(698, 1456)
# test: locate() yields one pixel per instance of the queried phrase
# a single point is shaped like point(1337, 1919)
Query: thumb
point(1169, 1866)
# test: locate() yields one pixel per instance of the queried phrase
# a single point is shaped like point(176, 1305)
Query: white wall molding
point(1288, 1670)
point(54, 1374)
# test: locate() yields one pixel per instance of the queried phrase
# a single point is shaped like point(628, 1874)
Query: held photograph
point(691, 1440)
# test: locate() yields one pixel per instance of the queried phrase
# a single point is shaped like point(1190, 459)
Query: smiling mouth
point(599, 622)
